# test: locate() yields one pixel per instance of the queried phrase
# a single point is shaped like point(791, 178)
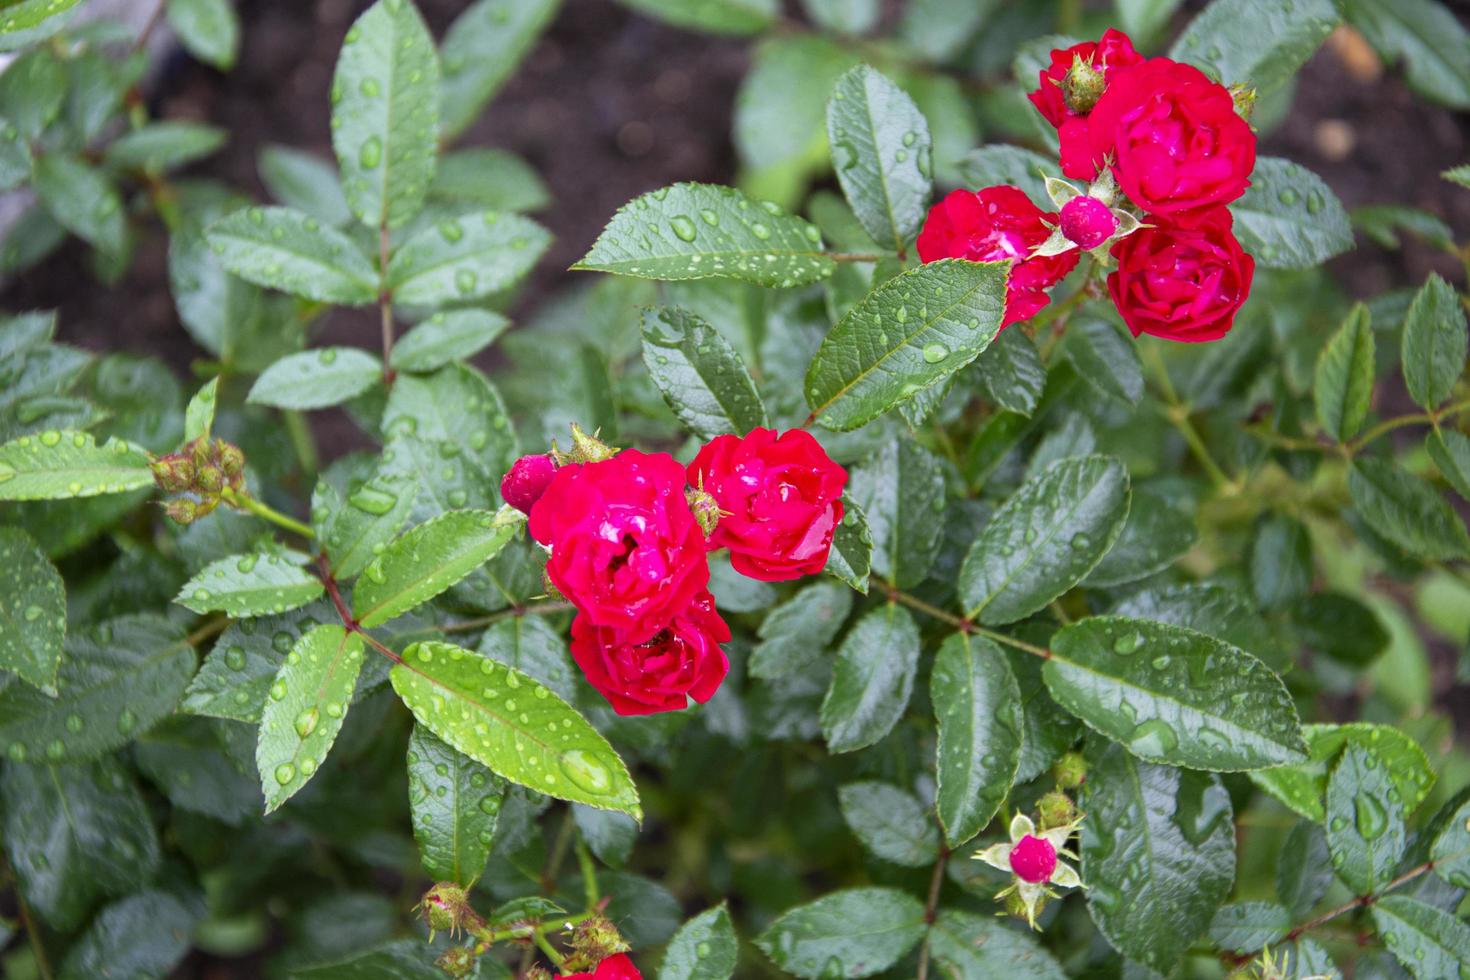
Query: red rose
point(1111, 54)
point(993, 224)
point(780, 498)
point(681, 661)
point(527, 480)
point(618, 967)
point(1181, 279)
point(625, 547)
point(1174, 138)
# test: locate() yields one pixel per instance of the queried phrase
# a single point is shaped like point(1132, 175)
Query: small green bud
point(182, 511)
point(446, 908)
point(173, 473)
point(1055, 810)
point(1016, 906)
point(231, 459)
point(595, 939)
point(1083, 86)
point(457, 961)
point(1245, 100)
point(585, 448)
point(706, 510)
point(1071, 771)
point(209, 479)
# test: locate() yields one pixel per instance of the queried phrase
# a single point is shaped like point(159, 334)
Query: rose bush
point(926, 558)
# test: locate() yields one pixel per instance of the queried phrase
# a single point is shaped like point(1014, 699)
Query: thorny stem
point(961, 623)
point(931, 906)
point(348, 620)
point(514, 612)
point(243, 500)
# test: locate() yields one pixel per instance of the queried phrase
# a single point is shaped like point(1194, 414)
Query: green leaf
point(33, 624)
point(1156, 533)
point(355, 530)
point(1304, 869)
point(1104, 358)
point(491, 179)
point(465, 258)
point(912, 332)
point(1381, 224)
point(850, 17)
point(199, 416)
point(385, 113)
point(704, 948)
point(1014, 165)
point(32, 91)
point(714, 16)
point(75, 834)
point(1434, 343)
point(1403, 508)
point(1429, 942)
point(1245, 927)
point(1045, 539)
point(293, 252)
point(1301, 787)
point(1280, 561)
point(901, 493)
point(1426, 37)
point(1144, 18)
point(871, 679)
point(1340, 627)
point(455, 335)
point(1458, 175)
point(855, 932)
point(304, 181)
point(401, 959)
point(203, 765)
point(316, 378)
point(146, 934)
point(882, 153)
point(851, 557)
point(115, 681)
point(240, 668)
point(890, 822)
point(15, 158)
point(455, 803)
point(1344, 378)
point(699, 231)
point(700, 375)
point(249, 585)
point(1011, 374)
point(308, 701)
point(1260, 43)
point(1158, 855)
point(1364, 819)
point(1450, 451)
point(83, 200)
point(1173, 695)
point(481, 50)
point(977, 706)
point(608, 834)
point(513, 724)
point(455, 405)
point(965, 945)
point(208, 29)
point(532, 646)
point(1451, 843)
point(796, 632)
point(426, 560)
point(1289, 218)
point(164, 145)
point(24, 18)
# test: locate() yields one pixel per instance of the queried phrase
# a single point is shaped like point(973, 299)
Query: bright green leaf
point(1344, 380)
point(199, 416)
point(33, 623)
point(208, 29)
point(1301, 787)
point(316, 378)
point(426, 560)
point(304, 181)
point(164, 145)
point(465, 258)
point(293, 252)
point(1434, 343)
point(481, 50)
point(854, 932)
point(249, 585)
point(1289, 218)
point(456, 335)
point(455, 802)
point(978, 709)
point(700, 375)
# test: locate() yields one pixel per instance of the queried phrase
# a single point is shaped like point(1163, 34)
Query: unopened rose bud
point(706, 509)
point(210, 479)
point(200, 452)
point(1055, 810)
point(446, 908)
point(527, 480)
point(588, 449)
point(1087, 222)
point(1071, 771)
point(1083, 85)
point(596, 938)
point(1245, 100)
point(173, 473)
point(231, 459)
point(457, 962)
point(182, 511)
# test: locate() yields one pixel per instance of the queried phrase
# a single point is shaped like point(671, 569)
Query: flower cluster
point(1164, 149)
point(628, 534)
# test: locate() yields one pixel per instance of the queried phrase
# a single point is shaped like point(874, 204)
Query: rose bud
point(1088, 222)
point(527, 480)
point(681, 662)
point(780, 498)
point(626, 550)
point(618, 967)
point(1031, 856)
point(993, 224)
point(1182, 280)
point(1173, 137)
point(1069, 89)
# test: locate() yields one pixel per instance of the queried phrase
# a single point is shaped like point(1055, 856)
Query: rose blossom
point(1184, 279)
point(993, 224)
point(682, 661)
point(1110, 54)
point(1174, 138)
point(780, 498)
point(625, 547)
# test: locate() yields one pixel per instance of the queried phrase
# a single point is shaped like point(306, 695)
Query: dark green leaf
point(1260, 43)
point(1340, 627)
point(402, 959)
point(1158, 855)
point(514, 725)
point(465, 258)
point(1104, 358)
point(999, 164)
point(700, 375)
point(481, 50)
point(1011, 373)
point(249, 585)
point(1304, 869)
point(851, 17)
point(1426, 37)
point(1365, 820)
point(355, 530)
point(1281, 561)
point(83, 200)
point(239, 670)
point(455, 802)
point(1301, 787)
point(445, 337)
point(533, 646)
point(851, 558)
point(144, 935)
point(912, 332)
point(797, 632)
point(490, 178)
point(199, 415)
point(1434, 343)
point(1174, 696)
point(715, 16)
point(871, 680)
point(1430, 943)
point(704, 948)
point(855, 932)
point(164, 145)
point(901, 493)
point(882, 153)
point(1404, 509)
point(1244, 927)
point(1344, 380)
point(385, 113)
point(965, 945)
point(1157, 532)
point(115, 681)
point(304, 181)
point(890, 822)
point(978, 709)
point(1289, 218)
point(33, 625)
point(1382, 222)
point(609, 834)
point(426, 560)
point(1451, 846)
point(200, 764)
point(1450, 451)
point(1045, 539)
point(456, 406)
point(208, 29)
point(293, 252)
point(32, 91)
point(308, 701)
point(699, 231)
